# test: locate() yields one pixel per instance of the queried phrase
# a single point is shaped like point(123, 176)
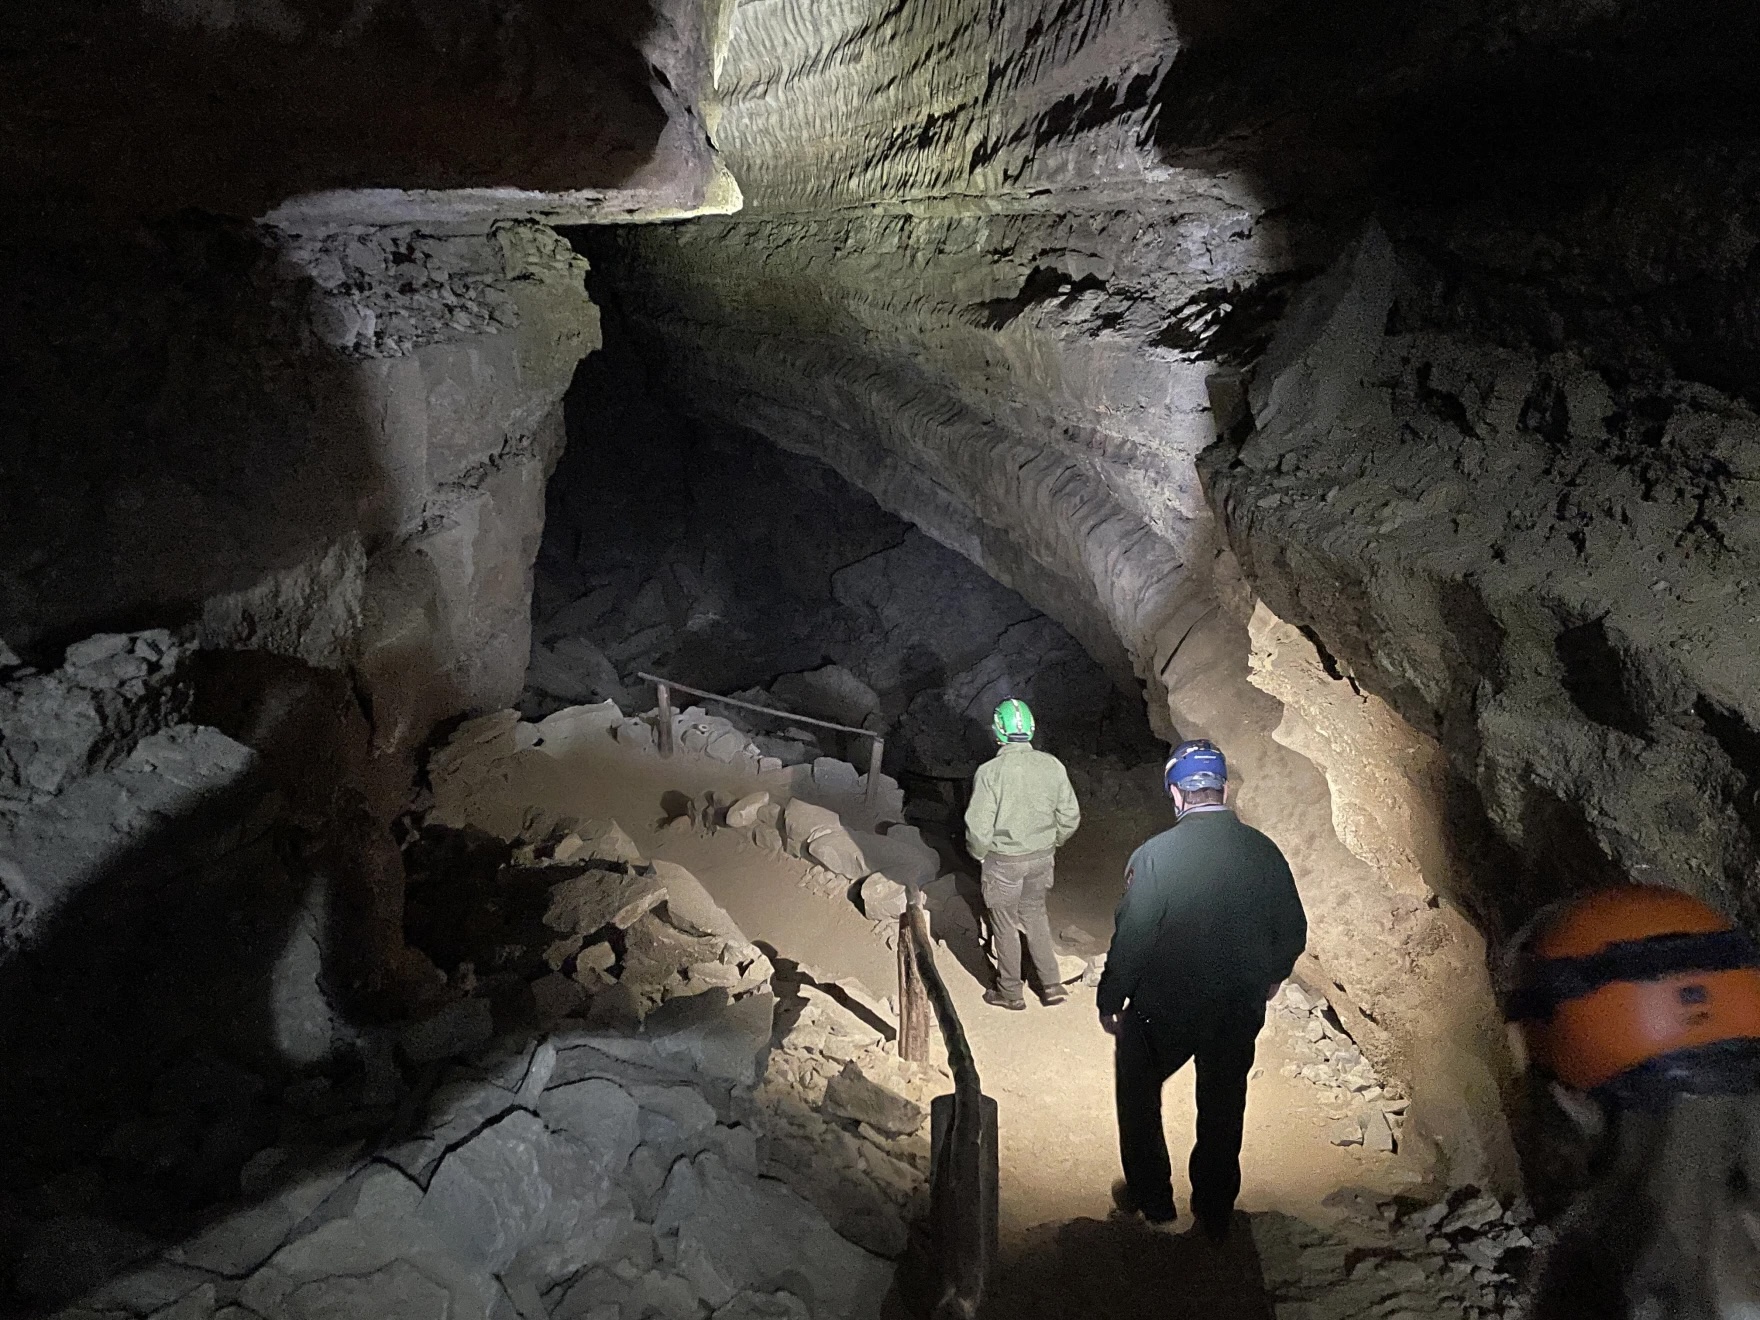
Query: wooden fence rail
point(665, 687)
point(964, 1175)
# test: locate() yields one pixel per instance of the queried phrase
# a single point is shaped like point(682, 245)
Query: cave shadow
point(413, 94)
point(790, 976)
point(1092, 1269)
point(1330, 112)
point(215, 981)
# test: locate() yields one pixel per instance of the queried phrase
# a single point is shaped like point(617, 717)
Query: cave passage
point(386, 386)
point(703, 553)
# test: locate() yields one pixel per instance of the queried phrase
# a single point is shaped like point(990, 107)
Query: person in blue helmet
point(1209, 927)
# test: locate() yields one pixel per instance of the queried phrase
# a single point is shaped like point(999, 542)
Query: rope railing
point(665, 687)
point(963, 1180)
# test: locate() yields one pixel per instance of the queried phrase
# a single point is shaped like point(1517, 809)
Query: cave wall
point(332, 448)
point(323, 115)
point(1520, 511)
point(1000, 317)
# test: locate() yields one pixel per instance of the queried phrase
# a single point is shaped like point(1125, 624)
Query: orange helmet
point(1639, 991)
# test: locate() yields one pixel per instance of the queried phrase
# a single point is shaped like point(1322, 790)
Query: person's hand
point(1109, 1023)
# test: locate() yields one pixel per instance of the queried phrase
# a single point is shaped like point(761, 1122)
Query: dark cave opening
point(709, 556)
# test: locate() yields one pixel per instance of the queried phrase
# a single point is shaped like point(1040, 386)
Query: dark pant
point(1149, 1052)
point(1014, 891)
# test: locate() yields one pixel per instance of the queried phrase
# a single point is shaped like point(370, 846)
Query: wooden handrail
point(963, 1208)
point(664, 688)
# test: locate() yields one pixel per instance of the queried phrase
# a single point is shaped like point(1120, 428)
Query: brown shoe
point(1053, 996)
point(996, 999)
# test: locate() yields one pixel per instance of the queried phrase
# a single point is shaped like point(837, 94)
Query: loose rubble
point(624, 1109)
point(1366, 1111)
point(574, 925)
point(578, 1174)
point(1459, 1258)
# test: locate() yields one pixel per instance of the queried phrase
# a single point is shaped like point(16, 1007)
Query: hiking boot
point(1125, 1207)
point(996, 999)
point(1054, 996)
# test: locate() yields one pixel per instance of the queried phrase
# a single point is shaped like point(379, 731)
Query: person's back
point(1211, 916)
point(1022, 810)
point(1209, 926)
point(1022, 802)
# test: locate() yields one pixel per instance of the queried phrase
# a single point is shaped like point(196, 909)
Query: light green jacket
point(1022, 802)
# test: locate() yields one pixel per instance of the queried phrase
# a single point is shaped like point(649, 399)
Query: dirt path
point(1050, 1069)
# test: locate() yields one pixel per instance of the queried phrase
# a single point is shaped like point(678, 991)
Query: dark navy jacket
point(1210, 918)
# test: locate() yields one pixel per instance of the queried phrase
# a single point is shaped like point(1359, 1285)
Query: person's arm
point(1134, 928)
point(981, 814)
point(1288, 924)
point(1066, 815)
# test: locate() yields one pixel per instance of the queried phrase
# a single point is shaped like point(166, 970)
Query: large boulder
point(830, 692)
point(711, 1035)
point(737, 1235)
point(852, 1094)
point(857, 854)
point(596, 899)
point(802, 822)
point(884, 899)
point(744, 813)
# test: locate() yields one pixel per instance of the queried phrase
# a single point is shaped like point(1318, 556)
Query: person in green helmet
point(1022, 811)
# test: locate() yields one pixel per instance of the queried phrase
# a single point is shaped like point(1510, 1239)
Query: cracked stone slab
point(596, 899)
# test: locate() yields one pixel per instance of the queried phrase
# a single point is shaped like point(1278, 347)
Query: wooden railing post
point(913, 999)
point(964, 1182)
point(874, 756)
point(665, 730)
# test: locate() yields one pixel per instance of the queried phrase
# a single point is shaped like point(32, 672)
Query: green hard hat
point(1013, 722)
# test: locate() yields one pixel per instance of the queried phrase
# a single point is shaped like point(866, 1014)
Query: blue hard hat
point(1196, 764)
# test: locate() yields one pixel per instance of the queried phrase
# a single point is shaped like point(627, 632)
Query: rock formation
point(1374, 390)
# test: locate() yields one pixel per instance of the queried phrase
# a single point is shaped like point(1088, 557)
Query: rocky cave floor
point(644, 1086)
point(650, 1070)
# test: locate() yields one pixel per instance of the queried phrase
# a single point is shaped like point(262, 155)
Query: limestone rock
point(802, 822)
point(656, 953)
point(882, 899)
point(487, 1197)
point(1377, 1133)
point(857, 854)
point(837, 851)
point(598, 1117)
point(594, 959)
point(690, 907)
point(833, 776)
point(717, 1038)
point(112, 691)
point(396, 1290)
point(1345, 1132)
point(736, 1235)
point(852, 1095)
point(557, 996)
point(596, 899)
point(607, 841)
point(744, 813)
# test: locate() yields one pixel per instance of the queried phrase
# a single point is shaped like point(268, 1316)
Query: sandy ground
point(1050, 1069)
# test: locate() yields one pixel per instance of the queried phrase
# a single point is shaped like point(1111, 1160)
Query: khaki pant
point(1014, 891)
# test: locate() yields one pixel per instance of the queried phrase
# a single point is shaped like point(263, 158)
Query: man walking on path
point(1022, 811)
point(1209, 927)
